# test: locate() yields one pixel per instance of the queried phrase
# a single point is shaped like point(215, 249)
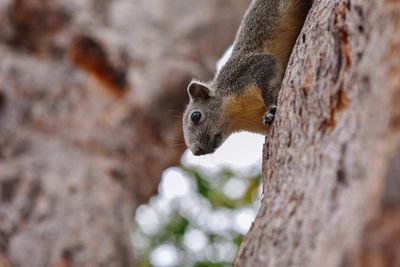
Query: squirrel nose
point(199, 152)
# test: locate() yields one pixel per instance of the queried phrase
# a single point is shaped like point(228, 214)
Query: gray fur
point(261, 20)
point(257, 26)
point(203, 138)
point(249, 64)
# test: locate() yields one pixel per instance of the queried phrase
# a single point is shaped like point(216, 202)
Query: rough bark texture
point(90, 98)
point(332, 161)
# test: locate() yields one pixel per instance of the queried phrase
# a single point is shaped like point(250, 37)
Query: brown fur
point(244, 116)
point(285, 34)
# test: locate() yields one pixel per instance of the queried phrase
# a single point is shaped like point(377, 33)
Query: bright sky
point(239, 152)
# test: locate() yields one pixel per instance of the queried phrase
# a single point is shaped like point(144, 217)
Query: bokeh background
point(204, 207)
point(91, 98)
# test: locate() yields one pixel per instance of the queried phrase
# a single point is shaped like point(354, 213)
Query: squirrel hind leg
point(269, 116)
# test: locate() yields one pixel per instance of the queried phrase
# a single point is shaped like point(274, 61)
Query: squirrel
point(244, 92)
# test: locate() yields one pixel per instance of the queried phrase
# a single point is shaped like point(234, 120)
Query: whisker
point(176, 142)
point(176, 145)
point(182, 140)
point(176, 117)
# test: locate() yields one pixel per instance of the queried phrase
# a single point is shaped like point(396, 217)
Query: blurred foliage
point(174, 219)
point(214, 194)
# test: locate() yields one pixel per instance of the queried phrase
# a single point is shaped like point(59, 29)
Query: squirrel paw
point(269, 116)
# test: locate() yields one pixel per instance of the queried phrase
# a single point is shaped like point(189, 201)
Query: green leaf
point(251, 191)
point(177, 225)
point(208, 264)
point(238, 240)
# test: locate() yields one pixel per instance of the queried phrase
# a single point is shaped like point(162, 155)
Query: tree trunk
point(332, 159)
point(90, 98)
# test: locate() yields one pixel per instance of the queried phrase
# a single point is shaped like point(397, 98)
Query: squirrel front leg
point(270, 88)
point(270, 99)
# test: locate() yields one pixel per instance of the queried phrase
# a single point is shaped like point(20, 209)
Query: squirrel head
point(205, 126)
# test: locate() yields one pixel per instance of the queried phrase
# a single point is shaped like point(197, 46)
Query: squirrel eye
point(196, 116)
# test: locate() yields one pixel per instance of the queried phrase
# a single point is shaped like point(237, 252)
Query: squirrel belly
point(244, 110)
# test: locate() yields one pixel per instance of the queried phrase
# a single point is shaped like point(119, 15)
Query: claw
point(273, 109)
point(269, 116)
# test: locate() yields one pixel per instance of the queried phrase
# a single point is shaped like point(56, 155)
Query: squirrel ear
point(197, 90)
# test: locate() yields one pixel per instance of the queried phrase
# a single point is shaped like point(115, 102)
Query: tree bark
point(90, 98)
point(332, 159)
